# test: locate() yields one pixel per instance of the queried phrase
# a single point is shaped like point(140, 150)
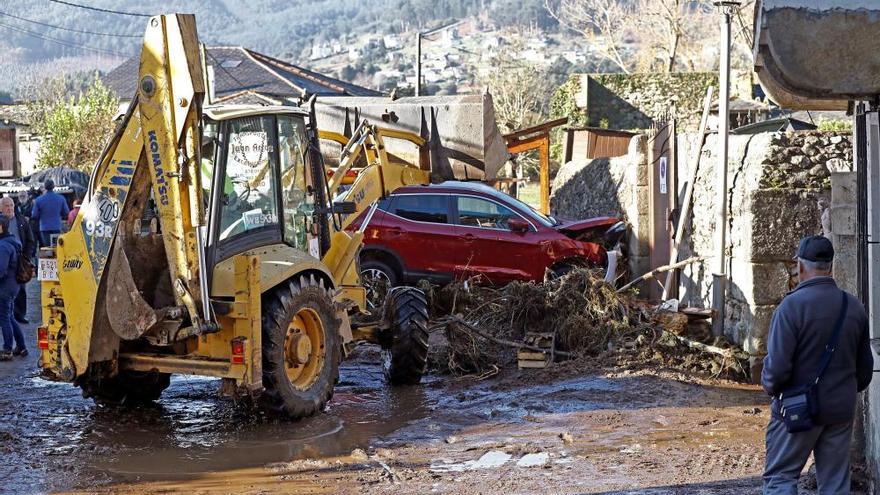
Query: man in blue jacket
point(9, 253)
point(801, 328)
point(48, 210)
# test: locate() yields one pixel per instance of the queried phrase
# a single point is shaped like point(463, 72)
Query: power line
point(69, 29)
point(60, 42)
point(98, 9)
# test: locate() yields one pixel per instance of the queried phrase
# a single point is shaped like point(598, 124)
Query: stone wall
point(779, 190)
point(616, 187)
point(633, 101)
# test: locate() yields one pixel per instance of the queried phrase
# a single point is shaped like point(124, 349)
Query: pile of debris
point(577, 316)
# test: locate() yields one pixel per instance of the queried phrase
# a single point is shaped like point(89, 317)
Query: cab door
point(245, 195)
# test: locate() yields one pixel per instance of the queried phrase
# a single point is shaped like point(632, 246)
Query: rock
point(451, 439)
point(533, 460)
point(566, 438)
point(797, 160)
point(836, 139)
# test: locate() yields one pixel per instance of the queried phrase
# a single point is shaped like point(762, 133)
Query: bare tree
point(606, 23)
point(667, 29)
point(639, 34)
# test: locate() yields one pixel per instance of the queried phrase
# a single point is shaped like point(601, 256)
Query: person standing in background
point(20, 229)
point(9, 252)
point(49, 209)
point(74, 212)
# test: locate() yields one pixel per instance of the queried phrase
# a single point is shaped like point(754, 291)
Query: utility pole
point(719, 274)
point(418, 63)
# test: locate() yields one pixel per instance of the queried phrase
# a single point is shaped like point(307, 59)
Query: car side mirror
point(518, 225)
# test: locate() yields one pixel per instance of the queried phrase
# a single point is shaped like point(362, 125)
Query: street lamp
point(719, 278)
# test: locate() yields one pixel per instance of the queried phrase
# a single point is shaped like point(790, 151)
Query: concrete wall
point(779, 188)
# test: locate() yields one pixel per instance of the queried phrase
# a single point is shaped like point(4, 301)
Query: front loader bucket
point(817, 54)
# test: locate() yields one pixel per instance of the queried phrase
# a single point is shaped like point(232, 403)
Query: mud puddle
point(560, 431)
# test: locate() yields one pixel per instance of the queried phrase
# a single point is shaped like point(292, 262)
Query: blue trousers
point(11, 330)
point(46, 237)
point(787, 454)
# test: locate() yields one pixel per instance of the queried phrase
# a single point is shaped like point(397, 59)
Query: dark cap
point(815, 248)
point(49, 184)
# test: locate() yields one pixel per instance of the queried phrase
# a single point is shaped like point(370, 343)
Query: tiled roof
point(239, 70)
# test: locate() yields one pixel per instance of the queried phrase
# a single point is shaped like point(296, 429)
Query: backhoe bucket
point(807, 52)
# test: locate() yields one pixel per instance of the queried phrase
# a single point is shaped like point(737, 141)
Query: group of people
point(17, 239)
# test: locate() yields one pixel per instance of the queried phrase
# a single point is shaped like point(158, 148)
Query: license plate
point(47, 269)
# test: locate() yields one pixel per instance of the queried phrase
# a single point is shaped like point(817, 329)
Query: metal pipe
point(419, 63)
point(719, 277)
point(207, 314)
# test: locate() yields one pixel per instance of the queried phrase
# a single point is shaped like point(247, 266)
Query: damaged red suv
point(457, 230)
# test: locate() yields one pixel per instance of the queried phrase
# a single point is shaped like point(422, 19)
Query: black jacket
point(801, 328)
point(28, 241)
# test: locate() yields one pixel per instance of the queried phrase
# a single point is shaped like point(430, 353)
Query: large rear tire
point(301, 348)
point(406, 353)
point(127, 387)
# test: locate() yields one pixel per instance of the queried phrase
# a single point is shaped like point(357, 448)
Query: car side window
point(476, 212)
point(430, 208)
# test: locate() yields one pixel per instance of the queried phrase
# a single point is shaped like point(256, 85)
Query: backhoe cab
point(207, 244)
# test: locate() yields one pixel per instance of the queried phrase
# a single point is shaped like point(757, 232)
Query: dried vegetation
point(592, 323)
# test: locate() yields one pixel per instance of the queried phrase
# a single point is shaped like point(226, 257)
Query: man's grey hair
point(816, 266)
point(7, 199)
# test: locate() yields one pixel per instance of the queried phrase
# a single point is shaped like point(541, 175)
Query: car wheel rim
point(377, 283)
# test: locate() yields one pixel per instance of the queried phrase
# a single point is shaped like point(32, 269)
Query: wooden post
point(545, 174)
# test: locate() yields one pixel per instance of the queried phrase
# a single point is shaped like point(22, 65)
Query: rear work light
point(42, 338)
point(238, 350)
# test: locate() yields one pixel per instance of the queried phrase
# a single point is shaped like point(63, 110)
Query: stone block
point(759, 283)
point(846, 262)
point(781, 217)
point(844, 188)
point(843, 219)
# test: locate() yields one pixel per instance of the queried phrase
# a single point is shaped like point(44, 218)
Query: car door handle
point(468, 237)
point(395, 231)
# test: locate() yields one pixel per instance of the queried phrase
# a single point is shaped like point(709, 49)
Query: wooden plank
point(544, 127)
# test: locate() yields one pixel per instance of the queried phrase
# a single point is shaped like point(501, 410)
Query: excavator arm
point(152, 159)
point(373, 181)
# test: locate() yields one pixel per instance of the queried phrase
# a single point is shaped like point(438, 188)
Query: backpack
point(25, 270)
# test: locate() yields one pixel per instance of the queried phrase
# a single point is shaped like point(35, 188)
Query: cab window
point(248, 200)
point(298, 206)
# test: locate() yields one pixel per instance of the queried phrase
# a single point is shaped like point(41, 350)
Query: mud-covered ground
point(569, 430)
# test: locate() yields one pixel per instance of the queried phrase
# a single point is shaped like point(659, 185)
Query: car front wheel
point(378, 278)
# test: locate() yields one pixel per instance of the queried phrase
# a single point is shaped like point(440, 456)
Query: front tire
point(378, 278)
point(406, 353)
point(301, 348)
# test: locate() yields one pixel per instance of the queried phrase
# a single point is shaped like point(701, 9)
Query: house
point(18, 145)
point(244, 76)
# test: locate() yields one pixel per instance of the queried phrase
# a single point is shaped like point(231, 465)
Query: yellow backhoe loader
point(211, 242)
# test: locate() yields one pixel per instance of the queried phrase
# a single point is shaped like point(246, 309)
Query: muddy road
point(568, 430)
